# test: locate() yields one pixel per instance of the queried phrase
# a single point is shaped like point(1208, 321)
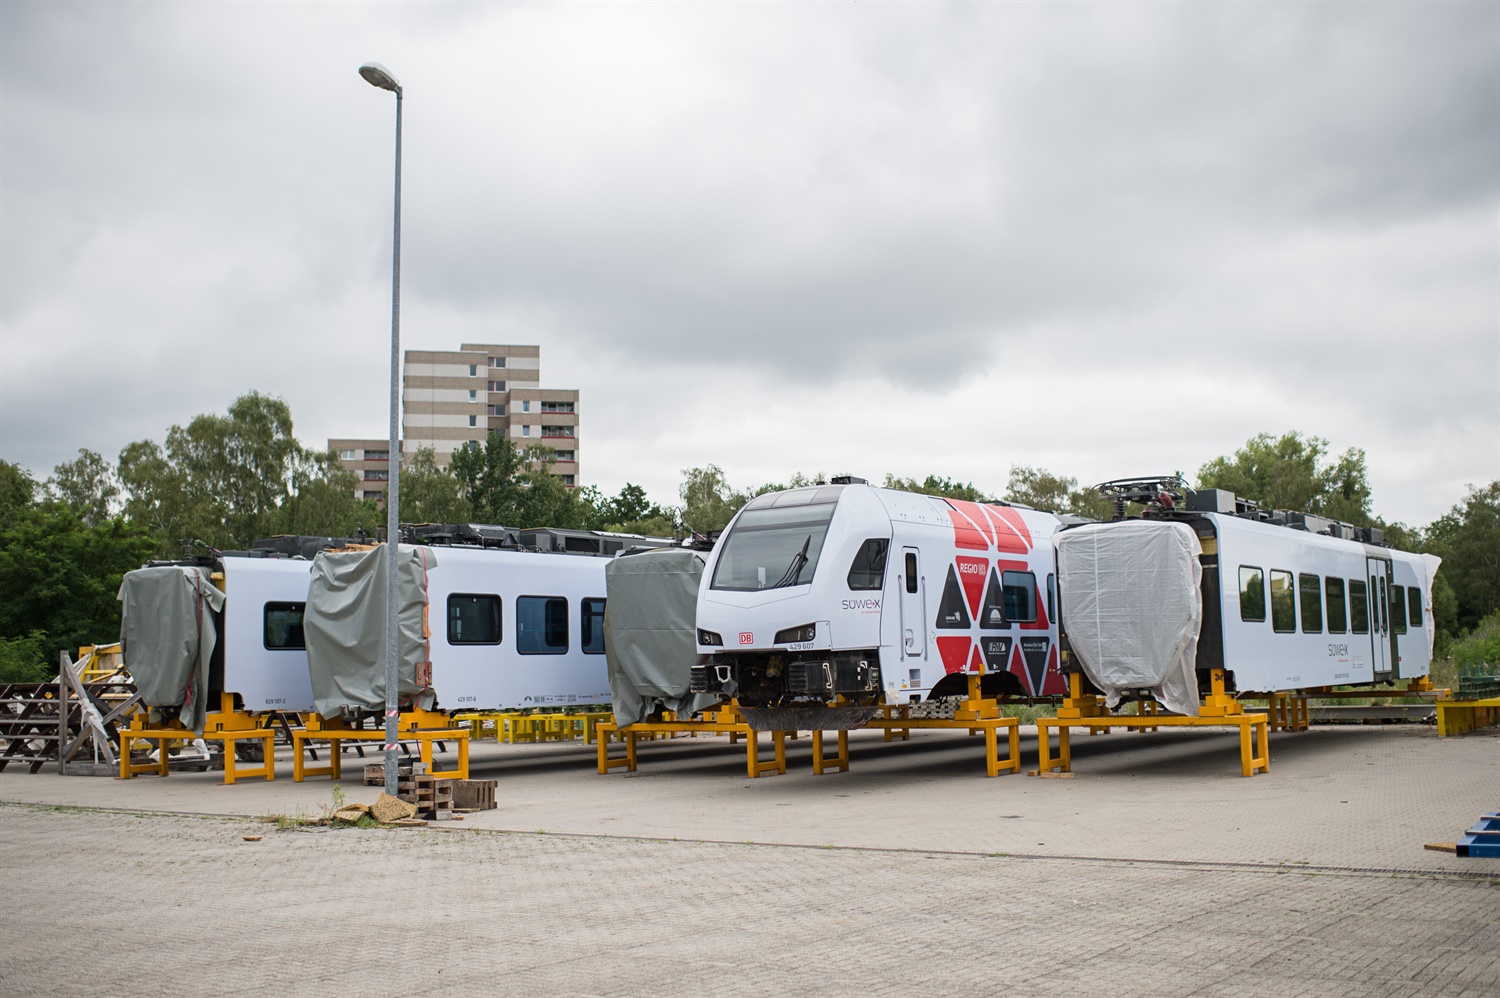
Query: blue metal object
point(1483, 840)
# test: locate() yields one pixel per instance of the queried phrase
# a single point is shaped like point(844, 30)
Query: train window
point(473, 619)
point(1283, 602)
point(868, 570)
point(1312, 603)
point(1380, 602)
point(911, 572)
point(1019, 589)
point(1359, 609)
point(1414, 606)
point(772, 547)
point(593, 627)
point(541, 625)
point(1051, 591)
point(1252, 594)
point(283, 626)
point(1398, 608)
point(1333, 595)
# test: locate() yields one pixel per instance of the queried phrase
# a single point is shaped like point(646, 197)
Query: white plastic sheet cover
point(344, 624)
point(650, 636)
point(1431, 562)
point(167, 635)
point(1132, 607)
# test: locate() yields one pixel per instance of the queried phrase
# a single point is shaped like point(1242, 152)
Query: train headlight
point(709, 638)
point(796, 635)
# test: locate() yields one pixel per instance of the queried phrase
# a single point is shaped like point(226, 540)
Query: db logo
point(747, 638)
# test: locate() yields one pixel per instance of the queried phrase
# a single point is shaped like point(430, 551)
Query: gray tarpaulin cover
point(650, 632)
point(1132, 607)
point(167, 634)
point(345, 628)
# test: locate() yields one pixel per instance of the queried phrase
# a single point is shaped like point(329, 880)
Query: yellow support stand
point(1454, 717)
point(512, 726)
point(976, 715)
point(840, 762)
point(225, 725)
point(1219, 709)
point(726, 720)
point(422, 726)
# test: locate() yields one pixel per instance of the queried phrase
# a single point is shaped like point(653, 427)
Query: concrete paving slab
point(106, 904)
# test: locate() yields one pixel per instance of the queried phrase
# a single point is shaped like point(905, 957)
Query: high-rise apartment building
point(450, 397)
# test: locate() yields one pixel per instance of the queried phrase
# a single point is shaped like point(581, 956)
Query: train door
point(1381, 639)
point(913, 608)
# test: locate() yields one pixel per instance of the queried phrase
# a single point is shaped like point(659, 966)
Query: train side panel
point(973, 589)
point(1304, 610)
point(265, 657)
point(548, 649)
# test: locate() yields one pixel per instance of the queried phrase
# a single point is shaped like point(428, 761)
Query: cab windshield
point(773, 548)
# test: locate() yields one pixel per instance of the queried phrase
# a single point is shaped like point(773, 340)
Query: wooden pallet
point(474, 795)
point(405, 770)
point(433, 797)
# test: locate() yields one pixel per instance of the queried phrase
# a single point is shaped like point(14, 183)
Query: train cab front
point(789, 608)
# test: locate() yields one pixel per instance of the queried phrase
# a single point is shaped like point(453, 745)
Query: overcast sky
point(1105, 240)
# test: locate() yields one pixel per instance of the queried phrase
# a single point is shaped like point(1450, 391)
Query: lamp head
point(378, 76)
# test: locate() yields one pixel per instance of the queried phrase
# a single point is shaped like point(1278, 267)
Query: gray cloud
point(1287, 213)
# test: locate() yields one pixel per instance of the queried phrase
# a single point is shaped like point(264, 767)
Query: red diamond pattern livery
point(1001, 532)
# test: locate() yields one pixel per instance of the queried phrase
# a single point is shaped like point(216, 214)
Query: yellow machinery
point(1219, 709)
point(1290, 711)
point(416, 724)
point(727, 720)
point(1454, 717)
point(976, 715)
point(512, 727)
point(225, 725)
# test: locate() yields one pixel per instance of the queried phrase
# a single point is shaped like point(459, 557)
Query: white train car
point(1302, 610)
point(516, 629)
point(1288, 601)
point(259, 653)
point(854, 591)
point(265, 653)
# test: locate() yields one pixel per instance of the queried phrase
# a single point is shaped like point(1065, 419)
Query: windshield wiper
point(795, 568)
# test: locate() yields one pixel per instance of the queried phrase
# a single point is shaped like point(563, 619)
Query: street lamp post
point(378, 76)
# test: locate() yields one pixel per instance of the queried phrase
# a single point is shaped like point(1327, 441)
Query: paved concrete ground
point(1158, 871)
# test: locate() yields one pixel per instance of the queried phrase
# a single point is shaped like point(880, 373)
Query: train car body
point(265, 653)
point(257, 647)
point(1301, 610)
point(847, 590)
point(516, 629)
point(1283, 607)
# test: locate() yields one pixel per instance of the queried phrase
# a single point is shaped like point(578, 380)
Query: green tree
point(1467, 538)
point(1288, 472)
point(1041, 489)
point(87, 485)
point(158, 499)
point(708, 503)
point(227, 480)
point(17, 491)
point(430, 492)
point(320, 499)
point(59, 576)
point(512, 487)
point(932, 485)
point(27, 659)
point(629, 511)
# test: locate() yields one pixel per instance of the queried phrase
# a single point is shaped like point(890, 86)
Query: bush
point(1479, 648)
point(26, 659)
